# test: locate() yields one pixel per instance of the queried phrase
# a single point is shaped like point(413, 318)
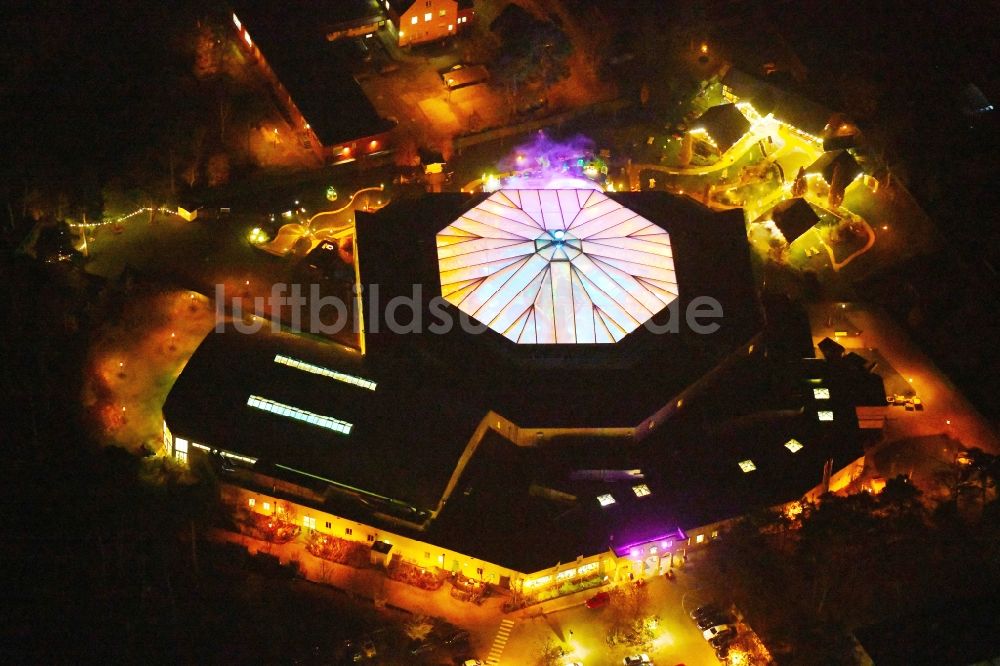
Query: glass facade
point(556, 266)
point(326, 372)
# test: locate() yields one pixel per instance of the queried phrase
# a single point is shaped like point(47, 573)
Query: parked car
point(718, 629)
point(458, 636)
point(637, 660)
point(713, 620)
point(722, 640)
point(598, 600)
point(702, 611)
point(423, 648)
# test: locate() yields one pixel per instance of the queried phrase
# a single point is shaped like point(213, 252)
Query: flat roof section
point(319, 416)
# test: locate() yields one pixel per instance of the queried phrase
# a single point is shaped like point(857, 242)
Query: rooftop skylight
point(747, 465)
point(328, 422)
point(606, 500)
point(821, 393)
point(326, 372)
point(641, 490)
point(793, 445)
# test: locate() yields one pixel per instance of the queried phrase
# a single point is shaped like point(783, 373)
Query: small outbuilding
point(794, 217)
point(724, 124)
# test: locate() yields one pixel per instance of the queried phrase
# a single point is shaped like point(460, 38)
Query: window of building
point(479, 570)
point(309, 522)
point(450, 27)
point(824, 416)
point(605, 500)
point(267, 506)
point(699, 538)
point(821, 393)
point(328, 525)
point(181, 449)
point(428, 16)
point(371, 538)
point(328, 422)
point(641, 490)
point(793, 445)
point(747, 465)
point(715, 534)
point(348, 531)
point(320, 370)
point(427, 555)
point(442, 12)
point(413, 21)
point(252, 502)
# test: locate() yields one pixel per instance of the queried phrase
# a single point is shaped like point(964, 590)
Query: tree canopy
point(531, 50)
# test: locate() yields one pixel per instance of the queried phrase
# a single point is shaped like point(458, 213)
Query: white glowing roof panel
point(556, 266)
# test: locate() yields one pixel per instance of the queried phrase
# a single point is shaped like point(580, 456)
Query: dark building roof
point(786, 106)
point(691, 466)
point(827, 163)
point(787, 335)
point(574, 385)
point(406, 438)
point(831, 349)
point(528, 507)
point(794, 217)
point(725, 124)
point(400, 6)
point(292, 37)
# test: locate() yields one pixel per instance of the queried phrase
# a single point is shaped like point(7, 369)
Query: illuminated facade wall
point(427, 20)
point(556, 266)
point(424, 554)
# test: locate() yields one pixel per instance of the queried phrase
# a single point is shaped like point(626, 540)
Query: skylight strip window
point(641, 490)
point(325, 372)
point(328, 422)
point(793, 445)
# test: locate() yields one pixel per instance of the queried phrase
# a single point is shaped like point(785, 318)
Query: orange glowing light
point(373, 145)
point(704, 47)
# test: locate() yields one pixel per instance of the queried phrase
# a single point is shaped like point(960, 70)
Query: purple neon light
point(632, 548)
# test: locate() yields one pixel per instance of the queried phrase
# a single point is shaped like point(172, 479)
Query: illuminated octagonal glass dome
point(556, 266)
